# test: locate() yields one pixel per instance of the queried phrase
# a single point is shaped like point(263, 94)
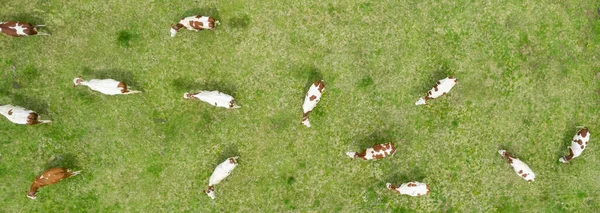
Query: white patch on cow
point(214, 98)
point(17, 114)
point(519, 167)
point(411, 188)
point(221, 172)
point(575, 147)
point(443, 86)
point(104, 86)
point(20, 29)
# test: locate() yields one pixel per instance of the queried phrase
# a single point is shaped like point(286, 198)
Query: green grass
point(528, 75)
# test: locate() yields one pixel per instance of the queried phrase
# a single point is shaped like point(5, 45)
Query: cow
point(195, 23)
point(50, 176)
point(578, 144)
point(20, 29)
point(215, 98)
point(221, 172)
point(105, 86)
point(313, 96)
point(441, 88)
point(411, 188)
point(520, 168)
point(376, 152)
point(20, 115)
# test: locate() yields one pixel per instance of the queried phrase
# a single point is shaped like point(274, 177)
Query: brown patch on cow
point(418, 194)
point(211, 22)
point(232, 161)
point(582, 147)
point(436, 87)
point(196, 25)
point(524, 175)
point(520, 171)
point(28, 29)
point(427, 189)
point(443, 93)
point(123, 87)
point(570, 156)
point(320, 85)
point(198, 16)
point(312, 97)
point(32, 118)
point(412, 185)
point(586, 143)
point(583, 132)
point(231, 104)
point(429, 93)
point(10, 112)
point(578, 141)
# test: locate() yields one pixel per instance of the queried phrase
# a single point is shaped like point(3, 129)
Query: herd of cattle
point(20, 115)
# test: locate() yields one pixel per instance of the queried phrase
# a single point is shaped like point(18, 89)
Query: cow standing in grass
point(19, 29)
point(214, 98)
point(410, 188)
point(105, 86)
point(376, 152)
point(20, 115)
point(195, 23)
point(221, 172)
point(441, 88)
point(520, 168)
point(313, 96)
point(578, 144)
point(50, 176)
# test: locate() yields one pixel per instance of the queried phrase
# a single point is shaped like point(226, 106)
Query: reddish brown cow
point(48, 177)
point(19, 29)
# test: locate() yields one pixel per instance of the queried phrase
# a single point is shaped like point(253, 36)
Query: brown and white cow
point(19, 29)
point(411, 188)
point(20, 115)
point(578, 144)
point(221, 172)
point(441, 88)
point(214, 98)
point(195, 23)
point(313, 96)
point(520, 168)
point(48, 177)
point(105, 86)
point(376, 152)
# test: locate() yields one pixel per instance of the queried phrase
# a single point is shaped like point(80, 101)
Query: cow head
point(175, 28)
point(421, 101)
point(77, 81)
point(388, 186)
point(351, 154)
point(210, 192)
point(188, 95)
point(31, 195)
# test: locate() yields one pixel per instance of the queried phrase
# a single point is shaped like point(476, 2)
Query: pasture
point(528, 75)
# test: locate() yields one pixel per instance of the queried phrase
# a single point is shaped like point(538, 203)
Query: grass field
point(528, 75)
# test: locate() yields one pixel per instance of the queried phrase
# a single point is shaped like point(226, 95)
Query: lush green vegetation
point(528, 75)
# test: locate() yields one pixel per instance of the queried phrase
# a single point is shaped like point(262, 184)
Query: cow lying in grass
point(195, 23)
point(410, 188)
point(578, 144)
point(105, 86)
point(520, 168)
point(221, 172)
point(50, 176)
point(313, 96)
point(376, 152)
point(214, 98)
point(20, 115)
point(19, 29)
point(441, 88)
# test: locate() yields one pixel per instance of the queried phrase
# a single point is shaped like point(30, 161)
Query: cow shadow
point(66, 160)
point(240, 21)
point(377, 137)
point(441, 70)
point(230, 150)
point(220, 86)
point(204, 11)
point(309, 72)
point(116, 74)
point(32, 18)
point(186, 84)
point(37, 105)
point(568, 133)
point(397, 178)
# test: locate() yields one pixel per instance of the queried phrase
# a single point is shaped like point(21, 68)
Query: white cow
point(410, 188)
point(441, 88)
point(520, 168)
point(214, 98)
point(105, 86)
point(221, 172)
point(578, 144)
point(313, 96)
point(20, 115)
point(195, 23)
